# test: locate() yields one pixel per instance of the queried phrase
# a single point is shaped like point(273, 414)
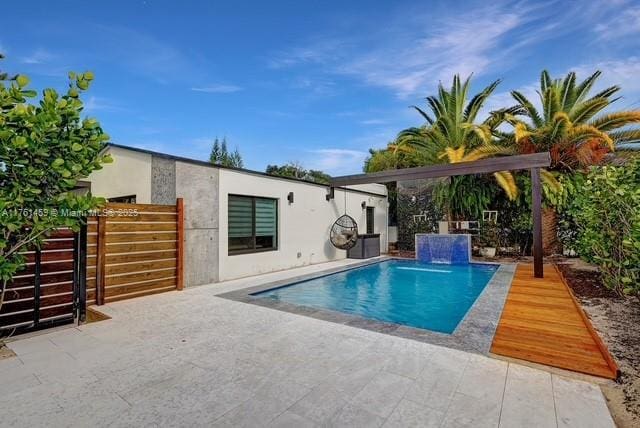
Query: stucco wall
point(198, 186)
point(129, 174)
point(303, 227)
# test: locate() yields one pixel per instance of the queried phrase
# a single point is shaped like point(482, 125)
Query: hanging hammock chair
point(344, 233)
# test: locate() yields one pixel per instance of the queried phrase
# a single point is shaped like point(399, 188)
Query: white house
point(292, 217)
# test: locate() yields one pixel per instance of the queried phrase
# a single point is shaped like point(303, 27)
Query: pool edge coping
point(474, 333)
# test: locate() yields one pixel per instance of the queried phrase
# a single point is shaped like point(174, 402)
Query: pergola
point(532, 162)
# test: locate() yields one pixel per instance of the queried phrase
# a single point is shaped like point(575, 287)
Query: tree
point(390, 158)
point(44, 149)
point(572, 127)
point(220, 155)
point(451, 134)
point(296, 170)
point(606, 211)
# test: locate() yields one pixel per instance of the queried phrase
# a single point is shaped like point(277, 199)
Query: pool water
point(428, 296)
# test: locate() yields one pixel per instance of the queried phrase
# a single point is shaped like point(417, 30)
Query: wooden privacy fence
point(47, 291)
point(134, 250)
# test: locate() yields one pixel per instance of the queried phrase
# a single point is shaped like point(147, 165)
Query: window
point(253, 224)
point(131, 199)
point(370, 217)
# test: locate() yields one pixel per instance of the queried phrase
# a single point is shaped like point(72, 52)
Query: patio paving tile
point(382, 393)
point(291, 420)
point(466, 410)
point(194, 359)
point(354, 416)
point(528, 399)
point(321, 404)
point(410, 414)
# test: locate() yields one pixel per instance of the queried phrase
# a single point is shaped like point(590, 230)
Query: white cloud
point(144, 54)
point(411, 55)
point(94, 103)
point(337, 161)
point(39, 56)
point(315, 86)
point(622, 72)
point(373, 122)
point(318, 52)
point(624, 24)
point(217, 89)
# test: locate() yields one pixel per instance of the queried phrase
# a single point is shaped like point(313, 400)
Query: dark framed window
point(130, 199)
point(253, 224)
point(370, 219)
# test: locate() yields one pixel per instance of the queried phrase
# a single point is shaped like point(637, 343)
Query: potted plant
point(488, 239)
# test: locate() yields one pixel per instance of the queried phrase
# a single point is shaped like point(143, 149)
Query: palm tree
point(452, 135)
point(572, 126)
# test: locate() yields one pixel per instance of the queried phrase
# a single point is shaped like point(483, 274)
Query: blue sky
point(313, 82)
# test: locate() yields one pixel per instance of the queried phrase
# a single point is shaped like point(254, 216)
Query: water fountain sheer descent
point(453, 249)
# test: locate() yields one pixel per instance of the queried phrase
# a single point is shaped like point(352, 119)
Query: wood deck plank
point(541, 322)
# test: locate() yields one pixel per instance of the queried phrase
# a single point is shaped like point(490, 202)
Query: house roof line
point(241, 170)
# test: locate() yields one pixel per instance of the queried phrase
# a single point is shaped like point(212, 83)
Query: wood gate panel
point(134, 250)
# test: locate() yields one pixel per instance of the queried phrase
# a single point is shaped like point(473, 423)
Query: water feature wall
point(446, 248)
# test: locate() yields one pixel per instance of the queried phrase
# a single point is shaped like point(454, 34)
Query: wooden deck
point(543, 323)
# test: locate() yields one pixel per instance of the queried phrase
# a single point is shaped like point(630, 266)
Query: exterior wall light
point(290, 197)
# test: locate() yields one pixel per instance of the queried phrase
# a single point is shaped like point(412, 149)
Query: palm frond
point(478, 100)
point(521, 131)
point(528, 108)
point(611, 121)
point(585, 86)
point(436, 106)
point(606, 93)
point(454, 155)
point(584, 111)
point(551, 102)
point(568, 89)
point(487, 151)
point(550, 181)
point(545, 80)
point(581, 133)
point(559, 125)
point(626, 136)
point(424, 115)
point(507, 183)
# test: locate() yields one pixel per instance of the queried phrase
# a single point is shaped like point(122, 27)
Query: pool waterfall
point(443, 248)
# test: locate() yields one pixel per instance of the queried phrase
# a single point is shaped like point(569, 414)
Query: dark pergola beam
point(484, 166)
point(532, 162)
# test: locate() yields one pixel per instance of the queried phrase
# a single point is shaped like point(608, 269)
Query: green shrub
point(606, 210)
point(46, 146)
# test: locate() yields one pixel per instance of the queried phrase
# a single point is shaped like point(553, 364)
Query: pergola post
point(536, 202)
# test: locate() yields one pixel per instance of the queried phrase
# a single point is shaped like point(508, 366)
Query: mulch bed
point(617, 320)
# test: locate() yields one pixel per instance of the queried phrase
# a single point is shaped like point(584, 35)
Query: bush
point(45, 147)
point(606, 210)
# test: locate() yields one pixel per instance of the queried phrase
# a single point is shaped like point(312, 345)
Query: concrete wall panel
point(163, 180)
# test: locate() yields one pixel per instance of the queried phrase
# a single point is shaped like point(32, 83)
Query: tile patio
point(194, 359)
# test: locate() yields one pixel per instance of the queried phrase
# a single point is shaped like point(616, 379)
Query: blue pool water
point(429, 296)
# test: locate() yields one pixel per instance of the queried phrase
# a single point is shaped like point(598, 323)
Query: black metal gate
point(50, 290)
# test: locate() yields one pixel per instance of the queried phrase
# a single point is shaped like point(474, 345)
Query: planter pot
point(488, 252)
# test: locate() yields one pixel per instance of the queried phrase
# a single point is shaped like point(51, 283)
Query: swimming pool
point(429, 296)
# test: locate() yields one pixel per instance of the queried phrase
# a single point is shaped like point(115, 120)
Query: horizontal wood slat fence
point(135, 250)
point(43, 293)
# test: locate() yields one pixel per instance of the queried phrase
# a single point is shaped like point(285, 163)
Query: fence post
point(81, 264)
point(101, 259)
point(36, 287)
point(180, 245)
